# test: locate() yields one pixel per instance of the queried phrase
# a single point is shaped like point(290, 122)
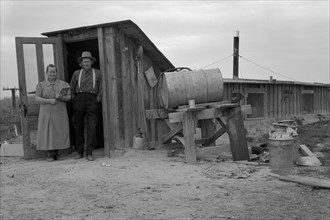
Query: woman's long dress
point(53, 123)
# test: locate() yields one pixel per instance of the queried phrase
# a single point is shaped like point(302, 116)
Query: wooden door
point(33, 55)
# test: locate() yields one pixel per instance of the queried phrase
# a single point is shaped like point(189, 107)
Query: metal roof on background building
point(260, 81)
point(132, 31)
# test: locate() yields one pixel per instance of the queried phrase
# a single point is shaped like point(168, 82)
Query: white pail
point(139, 142)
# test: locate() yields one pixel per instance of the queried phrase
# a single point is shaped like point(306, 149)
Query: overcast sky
point(290, 38)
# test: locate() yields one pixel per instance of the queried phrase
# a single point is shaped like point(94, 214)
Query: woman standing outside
point(53, 123)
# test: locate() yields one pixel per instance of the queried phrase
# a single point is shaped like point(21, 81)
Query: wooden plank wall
point(110, 101)
point(282, 100)
point(149, 98)
point(121, 87)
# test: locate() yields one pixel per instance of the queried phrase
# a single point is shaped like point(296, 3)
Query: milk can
point(292, 128)
point(280, 144)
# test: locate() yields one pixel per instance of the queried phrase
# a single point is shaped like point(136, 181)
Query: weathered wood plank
point(162, 129)
point(80, 35)
point(40, 62)
point(118, 38)
point(128, 94)
point(241, 91)
point(237, 134)
point(295, 110)
point(322, 101)
point(23, 97)
point(125, 93)
point(279, 100)
point(189, 140)
point(230, 91)
point(163, 114)
point(299, 100)
point(275, 101)
point(306, 151)
point(33, 40)
point(111, 67)
point(175, 117)
point(153, 125)
point(172, 133)
point(59, 57)
point(266, 100)
point(105, 93)
point(215, 136)
point(316, 99)
point(291, 100)
point(225, 88)
point(133, 85)
point(156, 114)
point(170, 125)
point(204, 104)
point(286, 101)
point(310, 181)
point(326, 100)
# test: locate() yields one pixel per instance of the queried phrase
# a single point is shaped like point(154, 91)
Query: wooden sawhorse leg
point(237, 134)
point(189, 138)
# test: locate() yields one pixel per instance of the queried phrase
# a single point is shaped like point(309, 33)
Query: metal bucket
point(177, 88)
point(139, 142)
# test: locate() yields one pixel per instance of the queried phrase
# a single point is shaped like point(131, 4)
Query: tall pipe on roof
point(236, 55)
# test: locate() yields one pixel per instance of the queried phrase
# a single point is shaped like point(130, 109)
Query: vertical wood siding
point(281, 100)
point(122, 97)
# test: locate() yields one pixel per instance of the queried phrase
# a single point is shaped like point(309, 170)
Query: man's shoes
point(90, 158)
point(50, 159)
point(79, 156)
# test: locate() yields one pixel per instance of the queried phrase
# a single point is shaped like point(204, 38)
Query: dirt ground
point(146, 184)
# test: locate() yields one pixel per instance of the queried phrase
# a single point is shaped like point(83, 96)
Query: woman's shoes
point(58, 157)
point(53, 157)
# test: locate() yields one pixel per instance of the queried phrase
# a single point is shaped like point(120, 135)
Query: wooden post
point(237, 134)
point(236, 55)
point(13, 96)
point(189, 139)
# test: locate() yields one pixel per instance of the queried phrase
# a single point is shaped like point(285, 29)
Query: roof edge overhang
point(138, 36)
point(260, 81)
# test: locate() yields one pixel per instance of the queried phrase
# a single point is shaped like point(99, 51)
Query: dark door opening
point(74, 51)
point(256, 100)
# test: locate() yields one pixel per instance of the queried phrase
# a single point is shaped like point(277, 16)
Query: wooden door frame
point(29, 149)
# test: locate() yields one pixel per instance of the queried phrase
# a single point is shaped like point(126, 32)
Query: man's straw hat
point(86, 54)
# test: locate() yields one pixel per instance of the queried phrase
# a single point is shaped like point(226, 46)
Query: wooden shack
point(131, 65)
point(279, 99)
point(129, 62)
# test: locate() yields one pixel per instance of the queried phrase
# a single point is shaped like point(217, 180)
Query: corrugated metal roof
point(132, 31)
point(259, 81)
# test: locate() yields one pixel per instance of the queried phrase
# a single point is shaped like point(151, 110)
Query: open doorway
point(74, 51)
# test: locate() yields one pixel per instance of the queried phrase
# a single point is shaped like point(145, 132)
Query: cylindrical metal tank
point(293, 130)
point(177, 88)
point(280, 144)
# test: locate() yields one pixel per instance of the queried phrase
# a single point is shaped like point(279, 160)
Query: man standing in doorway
point(86, 93)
